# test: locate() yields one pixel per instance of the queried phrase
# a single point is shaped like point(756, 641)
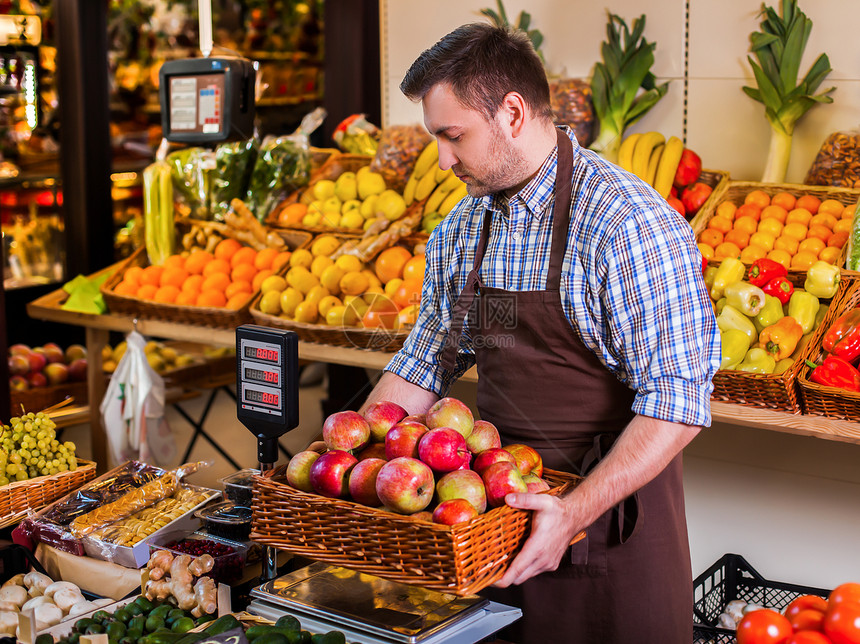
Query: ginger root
point(201, 565)
point(171, 576)
point(205, 597)
point(159, 564)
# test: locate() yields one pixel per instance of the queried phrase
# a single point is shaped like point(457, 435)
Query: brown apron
point(630, 580)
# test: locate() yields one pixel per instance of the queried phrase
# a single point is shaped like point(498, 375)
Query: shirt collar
point(537, 193)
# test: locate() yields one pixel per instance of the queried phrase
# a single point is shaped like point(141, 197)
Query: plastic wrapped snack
point(192, 170)
point(233, 165)
point(356, 135)
point(571, 103)
point(838, 162)
point(399, 147)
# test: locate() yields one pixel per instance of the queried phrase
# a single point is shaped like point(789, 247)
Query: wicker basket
point(19, 498)
point(775, 391)
point(461, 559)
point(38, 398)
point(832, 402)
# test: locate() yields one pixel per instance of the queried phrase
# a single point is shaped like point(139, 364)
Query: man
point(578, 292)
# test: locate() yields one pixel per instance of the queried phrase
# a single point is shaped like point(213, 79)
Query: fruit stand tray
point(461, 559)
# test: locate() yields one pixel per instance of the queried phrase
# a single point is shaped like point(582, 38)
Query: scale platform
point(368, 609)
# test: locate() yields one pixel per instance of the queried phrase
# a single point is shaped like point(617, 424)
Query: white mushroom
point(65, 598)
point(60, 585)
point(17, 580)
point(735, 609)
point(81, 607)
point(104, 601)
point(15, 594)
point(36, 601)
point(36, 583)
point(7, 605)
point(8, 622)
point(47, 615)
point(726, 621)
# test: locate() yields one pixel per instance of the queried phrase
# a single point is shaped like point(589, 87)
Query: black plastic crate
point(730, 578)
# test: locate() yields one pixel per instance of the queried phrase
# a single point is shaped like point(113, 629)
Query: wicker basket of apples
point(414, 499)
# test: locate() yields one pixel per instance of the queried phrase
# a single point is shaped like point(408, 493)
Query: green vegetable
point(44, 638)
point(500, 19)
point(95, 627)
point(182, 625)
point(770, 313)
point(154, 622)
point(822, 279)
point(803, 307)
point(81, 625)
point(233, 165)
point(734, 344)
point(282, 167)
point(731, 318)
point(115, 630)
point(272, 638)
point(102, 616)
point(615, 84)
point(758, 360)
point(221, 625)
point(779, 47)
point(289, 621)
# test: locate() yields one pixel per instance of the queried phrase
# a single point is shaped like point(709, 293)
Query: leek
point(500, 19)
point(615, 84)
point(779, 48)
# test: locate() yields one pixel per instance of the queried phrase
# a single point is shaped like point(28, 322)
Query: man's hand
point(550, 537)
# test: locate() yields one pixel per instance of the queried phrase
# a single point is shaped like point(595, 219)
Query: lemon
point(371, 277)
point(349, 263)
point(368, 207)
point(370, 183)
point(107, 352)
point(354, 283)
point(324, 245)
point(392, 285)
point(312, 219)
point(357, 306)
point(316, 294)
point(370, 296)
point(327, 303)
point(273, 283)
point(323, 189)
point(391, 205)
point(331, 219)
point(270, 303)
point(350, 205)
point(307, 312)
point(352, 219)
point(301, 257)
point(290, 299)
point(320, 263)
point(330, 278)
point(302, 279)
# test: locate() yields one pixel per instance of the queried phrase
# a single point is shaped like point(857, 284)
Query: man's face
point(477, 150)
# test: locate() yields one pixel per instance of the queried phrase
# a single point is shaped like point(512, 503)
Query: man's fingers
point(529, 501)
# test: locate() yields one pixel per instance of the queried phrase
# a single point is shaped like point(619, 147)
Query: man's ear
point(513, 113)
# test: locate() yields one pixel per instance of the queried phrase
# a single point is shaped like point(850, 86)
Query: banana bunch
point(652, 158)
point(441, 188)
point(159, 232)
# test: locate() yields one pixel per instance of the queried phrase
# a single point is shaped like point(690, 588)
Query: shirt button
point(517, 235)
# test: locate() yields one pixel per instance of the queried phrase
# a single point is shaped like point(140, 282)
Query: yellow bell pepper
point(780, 339)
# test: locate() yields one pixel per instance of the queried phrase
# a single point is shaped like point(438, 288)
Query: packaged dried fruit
point(838, 161)
point(399, 147)
point(570, 99)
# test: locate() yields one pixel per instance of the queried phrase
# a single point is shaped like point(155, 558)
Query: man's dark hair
point(482, 64)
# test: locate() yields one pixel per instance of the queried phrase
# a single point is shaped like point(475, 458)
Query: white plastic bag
point(133, 410)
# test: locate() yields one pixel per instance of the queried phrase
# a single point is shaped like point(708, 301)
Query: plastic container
point(229, 556)
point(730, 578)
point(238, 486)
point(227, 520)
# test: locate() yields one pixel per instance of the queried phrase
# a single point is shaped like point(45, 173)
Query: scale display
point(260, 374)
point(262, 353)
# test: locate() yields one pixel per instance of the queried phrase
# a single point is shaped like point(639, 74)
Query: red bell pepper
point(704, 264)
point(835, 372)
point(780, 288)
point(843, 337)
point(764, 270)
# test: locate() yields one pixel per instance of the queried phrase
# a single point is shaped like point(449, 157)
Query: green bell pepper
point(745, 297)
point(757, 360)
point(731, 318)
point(734, 345)
point(719, 304)
point(822, 279)
point(770, 313)
point(731, 270)
point(803, 307)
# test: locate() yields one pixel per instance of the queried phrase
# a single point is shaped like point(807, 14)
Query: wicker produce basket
point(819, 400)
point(460, 559)
point(19, 498)
point(775, 391)
point(40, 397)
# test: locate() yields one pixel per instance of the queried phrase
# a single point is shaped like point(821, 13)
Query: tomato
point(849, 592)
point(764, 627)
point(805, 602)
point(808, 637)
point(808, 619)
point(842, 622)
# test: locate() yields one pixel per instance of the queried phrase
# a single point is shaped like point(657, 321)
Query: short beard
point(507, 171)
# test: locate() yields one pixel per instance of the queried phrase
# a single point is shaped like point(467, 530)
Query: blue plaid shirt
point(631, 284)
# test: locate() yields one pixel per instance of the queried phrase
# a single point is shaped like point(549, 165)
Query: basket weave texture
point(775, 391)
point(19, 498)
point(38, 398)
point(832, 402)
point(461, 559)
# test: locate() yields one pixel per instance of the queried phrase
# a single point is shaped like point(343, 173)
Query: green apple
point(346, 187)
point(332, 204)
point(331, 219)
point(368, 206)
point(352, 219)
point(370, 183)
point(312, 219)
point(352, 204)
point(323, 189)
point(391, 205)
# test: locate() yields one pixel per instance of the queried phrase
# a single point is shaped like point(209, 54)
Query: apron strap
point(560, 210)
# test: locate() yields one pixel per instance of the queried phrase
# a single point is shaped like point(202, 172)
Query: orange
point(763, 240)
point(822, 232)
point(720, 224)
point(174, 276)
point(244, 272)
point(726, 249)
point(391, 261)
point(752, 253)
point(727, 209)
point(380, 315)
point(780, 257)
point(133, 275)
point(211, 298)
point(830, 255)
point(192, 283)
point(234, 288)
point(746, 225)
point(831, 207)
point(770, 226)
point(711, 237)
point(126, 288)
point(758, 198)
point(166, 294)
point(842, 226)
point(784, 199)
point(186, 298)
point(408, 293)
point(259, 277)
point(281, 260)
point(215, 282)
point(292, 215)
point(151, 275)
point(707, 251)
point(838, 240)
point(237, 301)
point(798, 231)
point(244, 255)
point(174, 261)
point(738, 237)
point(811, 245)
point(748, 210)
point(848, 212)
point(226, 248)
point(803, 260)
point(799, 215)
point(414, 268)
point(823, 219)
point(216, 266)
point(810, 202)
point(147, 291)
point(788, 244)
point(406, 318)
point(774, 212)
point(197, 260)
point(265, 258)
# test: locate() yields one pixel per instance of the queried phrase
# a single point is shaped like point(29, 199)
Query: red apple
point(418, 418)
point(424, 515)
point(299, 470)
point(450, 412)
point(535, 483)
point(463, 484)
point(527, 459)
point(454, 511)
point(56, 372)
point(694, 196)
point(484, 436)
point(490, 456)
point(75, 352)
point(20, 350)
point(19, 383)
point(37, 361)
point(330, 474)
point(53, 353)
point(362, 482)
point(382, 416)
point(678, 205)
point(673, 192)
point(345, 430)
point(374, 450)
point(689, 169)
point(18, 365)
point(405, 485)
point(78, 370)
point(443, 449)
point(402, 439)
point(37, 379)
point(501, 479)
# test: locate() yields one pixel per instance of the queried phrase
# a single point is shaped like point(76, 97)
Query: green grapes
point(29, 448)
